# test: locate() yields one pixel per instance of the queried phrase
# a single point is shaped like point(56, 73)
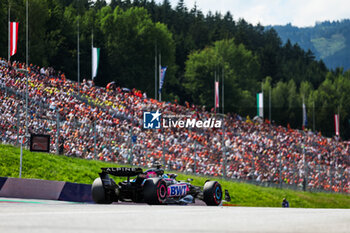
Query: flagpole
point(223, 122)
point(92, 57)
point(223, 77)
point(224, 146)
point(9, 24)
point(27, 62)
point(303, 126)
point(160, 70)
point(215, 90)
point(155, 70)
point(338, 123)
point(262, 91)
point(302, 107)
point(78, 51)
point(313, 115)
point(270, 104)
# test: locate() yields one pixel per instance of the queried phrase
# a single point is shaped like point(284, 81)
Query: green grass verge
point(62, 168)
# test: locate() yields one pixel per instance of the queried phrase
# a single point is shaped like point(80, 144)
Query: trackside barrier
point(44, 189)
point(2, 181)
point(76, 192)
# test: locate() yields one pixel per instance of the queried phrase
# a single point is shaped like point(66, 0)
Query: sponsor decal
point(120, 169)
point(177, 190)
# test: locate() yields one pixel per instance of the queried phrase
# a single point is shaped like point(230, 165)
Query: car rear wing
point(122, 171)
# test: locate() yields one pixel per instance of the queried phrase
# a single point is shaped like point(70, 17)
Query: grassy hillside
point(62, 168)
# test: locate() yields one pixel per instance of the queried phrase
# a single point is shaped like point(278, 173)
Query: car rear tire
point(212, 193)
point(155, 191)
point(98, 192)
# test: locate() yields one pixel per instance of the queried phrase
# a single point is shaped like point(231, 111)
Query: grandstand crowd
point(106, 124)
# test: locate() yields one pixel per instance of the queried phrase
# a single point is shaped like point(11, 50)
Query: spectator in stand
point(256, 151)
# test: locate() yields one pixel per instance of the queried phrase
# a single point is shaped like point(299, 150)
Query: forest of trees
point(195, 47)
point(329, 41)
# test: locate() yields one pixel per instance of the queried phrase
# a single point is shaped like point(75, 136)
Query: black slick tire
point(212, 193)
point(98, 192)
point(155, 191)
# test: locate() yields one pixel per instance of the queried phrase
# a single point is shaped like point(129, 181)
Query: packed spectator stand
point(92, 122)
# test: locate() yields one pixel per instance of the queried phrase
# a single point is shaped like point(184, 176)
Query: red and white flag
point(336, 124)
point(13, 38)
point(216, 94)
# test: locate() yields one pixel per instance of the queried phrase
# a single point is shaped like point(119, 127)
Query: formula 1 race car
point(152, 187)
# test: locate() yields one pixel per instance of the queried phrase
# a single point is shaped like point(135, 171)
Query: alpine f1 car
point(152, 187)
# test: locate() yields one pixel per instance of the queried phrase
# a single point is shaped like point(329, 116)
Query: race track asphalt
point(17, 215)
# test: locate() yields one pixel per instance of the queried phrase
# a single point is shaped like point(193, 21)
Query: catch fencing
point(119, 138)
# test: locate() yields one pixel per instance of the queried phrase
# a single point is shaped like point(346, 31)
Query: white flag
point(260, 104)
point(95, 61)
